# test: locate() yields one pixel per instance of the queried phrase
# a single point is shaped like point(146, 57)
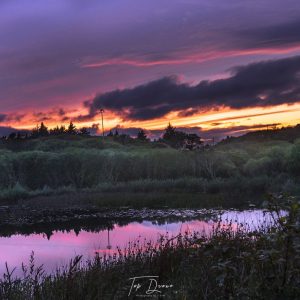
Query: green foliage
point(85, 162)
point(14, 193)
point(294, 159)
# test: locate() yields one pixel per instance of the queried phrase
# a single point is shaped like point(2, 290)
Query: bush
point(294, 160)
point(88, 163)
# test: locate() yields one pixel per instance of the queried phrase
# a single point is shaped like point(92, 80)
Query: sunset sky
point(210, 66)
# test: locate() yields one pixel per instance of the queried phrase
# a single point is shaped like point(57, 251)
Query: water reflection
point(57, 249)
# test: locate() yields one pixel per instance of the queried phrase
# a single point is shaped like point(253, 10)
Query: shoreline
point(48, 213)
point(27, 221)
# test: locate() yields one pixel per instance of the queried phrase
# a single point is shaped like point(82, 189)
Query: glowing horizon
point(64, 68)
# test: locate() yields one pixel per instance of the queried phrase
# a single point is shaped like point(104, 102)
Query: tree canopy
point(142, 135)
point(178, 139)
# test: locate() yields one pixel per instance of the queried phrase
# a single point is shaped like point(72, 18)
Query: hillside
point(289, 134)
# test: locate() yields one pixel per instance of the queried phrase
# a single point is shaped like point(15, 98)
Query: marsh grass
point(231, 263)
point(178, 193)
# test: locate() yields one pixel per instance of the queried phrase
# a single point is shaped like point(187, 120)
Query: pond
point(56, 250)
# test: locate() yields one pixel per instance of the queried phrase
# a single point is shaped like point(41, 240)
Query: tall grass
point(229, 264)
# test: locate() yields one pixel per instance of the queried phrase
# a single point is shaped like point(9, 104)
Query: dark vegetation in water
point(264, 264)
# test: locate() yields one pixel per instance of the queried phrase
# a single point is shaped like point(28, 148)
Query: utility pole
point(108, 241)
point(101, 112)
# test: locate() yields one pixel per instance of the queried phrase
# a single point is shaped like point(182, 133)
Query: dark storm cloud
point(261, 84)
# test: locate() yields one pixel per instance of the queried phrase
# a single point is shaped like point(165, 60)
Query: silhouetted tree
point(62, 129)
point(54, 131)
point(35, 132)
point(170, 132)
point(192, 141)
point(71, 129)
point(142, 135)
point(43, 130)
point(83, 131)
point(173, 137)
point(194, 138)
point(177, 139)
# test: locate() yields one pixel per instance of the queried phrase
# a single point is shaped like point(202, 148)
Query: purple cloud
point(45, 45)
point(263, 84)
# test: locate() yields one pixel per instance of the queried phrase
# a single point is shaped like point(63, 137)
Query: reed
point(230, 264)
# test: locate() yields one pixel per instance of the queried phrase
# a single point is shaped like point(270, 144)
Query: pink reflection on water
point(62, 245)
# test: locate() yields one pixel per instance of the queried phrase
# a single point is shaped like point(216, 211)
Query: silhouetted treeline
point(43, 131)
point(171, 136)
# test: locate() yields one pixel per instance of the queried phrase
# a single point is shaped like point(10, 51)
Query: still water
point(57, 250)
